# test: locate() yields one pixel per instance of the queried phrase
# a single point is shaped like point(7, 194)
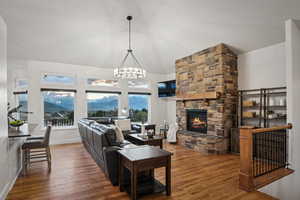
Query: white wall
point(9, 149)
point(33, 71)
point(170, 103)
point(288, 187)
point(4, 180)
point(3, 80)
point(262, 68)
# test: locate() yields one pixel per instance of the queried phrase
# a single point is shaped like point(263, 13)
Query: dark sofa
point(100, 141)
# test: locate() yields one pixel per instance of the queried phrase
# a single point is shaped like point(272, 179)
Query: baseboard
point(9, 186)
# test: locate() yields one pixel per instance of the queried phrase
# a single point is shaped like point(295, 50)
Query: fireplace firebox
point(197, 120)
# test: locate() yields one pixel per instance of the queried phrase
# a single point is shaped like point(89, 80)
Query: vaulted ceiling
point(94, 32)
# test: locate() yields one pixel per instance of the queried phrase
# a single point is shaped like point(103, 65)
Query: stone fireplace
point(206, 99)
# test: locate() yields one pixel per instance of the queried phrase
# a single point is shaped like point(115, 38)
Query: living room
point(176, 123)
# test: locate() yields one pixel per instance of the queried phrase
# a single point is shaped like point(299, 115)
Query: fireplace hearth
point(197, 120)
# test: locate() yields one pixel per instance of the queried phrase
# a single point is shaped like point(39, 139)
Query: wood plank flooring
point(75, 176)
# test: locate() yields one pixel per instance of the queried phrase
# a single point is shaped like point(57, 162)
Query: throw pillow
point(119, 135)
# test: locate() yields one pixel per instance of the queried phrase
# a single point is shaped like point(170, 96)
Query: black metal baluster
point(276, 142)
point(260, 153)
point(263, 151)
point(266, 151)
point(282, 148)
point(271, 150)
point(285, 149)
point(253, 155)
point(256, 154)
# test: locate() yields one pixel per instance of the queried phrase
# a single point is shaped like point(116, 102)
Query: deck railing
point(264, 156)
point(59, 122)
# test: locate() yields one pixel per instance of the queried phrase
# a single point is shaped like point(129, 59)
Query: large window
point(101, 104)
point(22, 100)
point(21, 83)
point(101, 82)
point(58, 107)
point(138, 84)
point(58, 79)
point(138, 107)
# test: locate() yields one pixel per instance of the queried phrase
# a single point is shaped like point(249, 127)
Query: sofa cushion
point(109, 133)
point(105, 121)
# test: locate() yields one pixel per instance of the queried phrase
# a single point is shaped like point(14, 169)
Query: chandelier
point(126, 72)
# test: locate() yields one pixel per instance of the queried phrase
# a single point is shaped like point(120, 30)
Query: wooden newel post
point(246, 159)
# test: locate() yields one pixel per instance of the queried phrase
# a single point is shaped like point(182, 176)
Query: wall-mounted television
point(167, 88)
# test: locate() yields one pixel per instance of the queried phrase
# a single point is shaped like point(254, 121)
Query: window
point(58, 79)
point(100, 82)
point(138, 84)
point(138, 107)
point(58, 107)
point(22, 100)
point(101, 104)
point(21, 83)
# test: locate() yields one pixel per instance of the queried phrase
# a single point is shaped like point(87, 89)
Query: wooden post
point(246, 159)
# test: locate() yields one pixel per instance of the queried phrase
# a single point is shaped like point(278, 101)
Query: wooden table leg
point(121, 174)
point(168, 176)
point(133, 183)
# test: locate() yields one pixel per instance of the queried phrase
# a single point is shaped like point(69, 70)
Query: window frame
point(119, 93)
point(74, 126)
point(17, 102)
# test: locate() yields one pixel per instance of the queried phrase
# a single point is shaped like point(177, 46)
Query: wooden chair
point(36, 149)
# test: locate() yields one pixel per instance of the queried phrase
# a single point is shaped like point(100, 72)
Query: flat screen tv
point(167, 88)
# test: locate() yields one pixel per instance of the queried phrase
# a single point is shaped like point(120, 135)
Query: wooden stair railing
point(263, 156)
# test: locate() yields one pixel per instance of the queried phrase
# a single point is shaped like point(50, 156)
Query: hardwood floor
point(75, 176)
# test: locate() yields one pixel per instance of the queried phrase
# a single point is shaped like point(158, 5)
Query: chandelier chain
point(129, 26)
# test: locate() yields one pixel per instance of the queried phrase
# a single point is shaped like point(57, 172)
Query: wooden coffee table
point(142, 159)
point(139, 139)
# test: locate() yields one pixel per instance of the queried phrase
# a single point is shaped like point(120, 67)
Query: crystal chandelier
point(124, 72)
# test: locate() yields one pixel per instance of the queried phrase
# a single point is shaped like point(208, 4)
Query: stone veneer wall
point(213, 69)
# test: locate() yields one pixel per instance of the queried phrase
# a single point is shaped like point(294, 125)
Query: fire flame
point(197, 121)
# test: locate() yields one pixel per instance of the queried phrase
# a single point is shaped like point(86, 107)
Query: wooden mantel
point(204, 95)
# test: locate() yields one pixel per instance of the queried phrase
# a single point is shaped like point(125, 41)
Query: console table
point(143, 159)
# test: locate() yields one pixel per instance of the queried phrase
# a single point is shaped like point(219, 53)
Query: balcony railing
point(264, 156)
point(269, 151)
point(59, 122)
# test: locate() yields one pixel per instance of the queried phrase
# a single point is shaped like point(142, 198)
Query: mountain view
point(54, 102)
point(138, 102)
point(61, 106)
point(106, 103)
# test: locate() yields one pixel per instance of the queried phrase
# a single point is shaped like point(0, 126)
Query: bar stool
point(36, 149)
